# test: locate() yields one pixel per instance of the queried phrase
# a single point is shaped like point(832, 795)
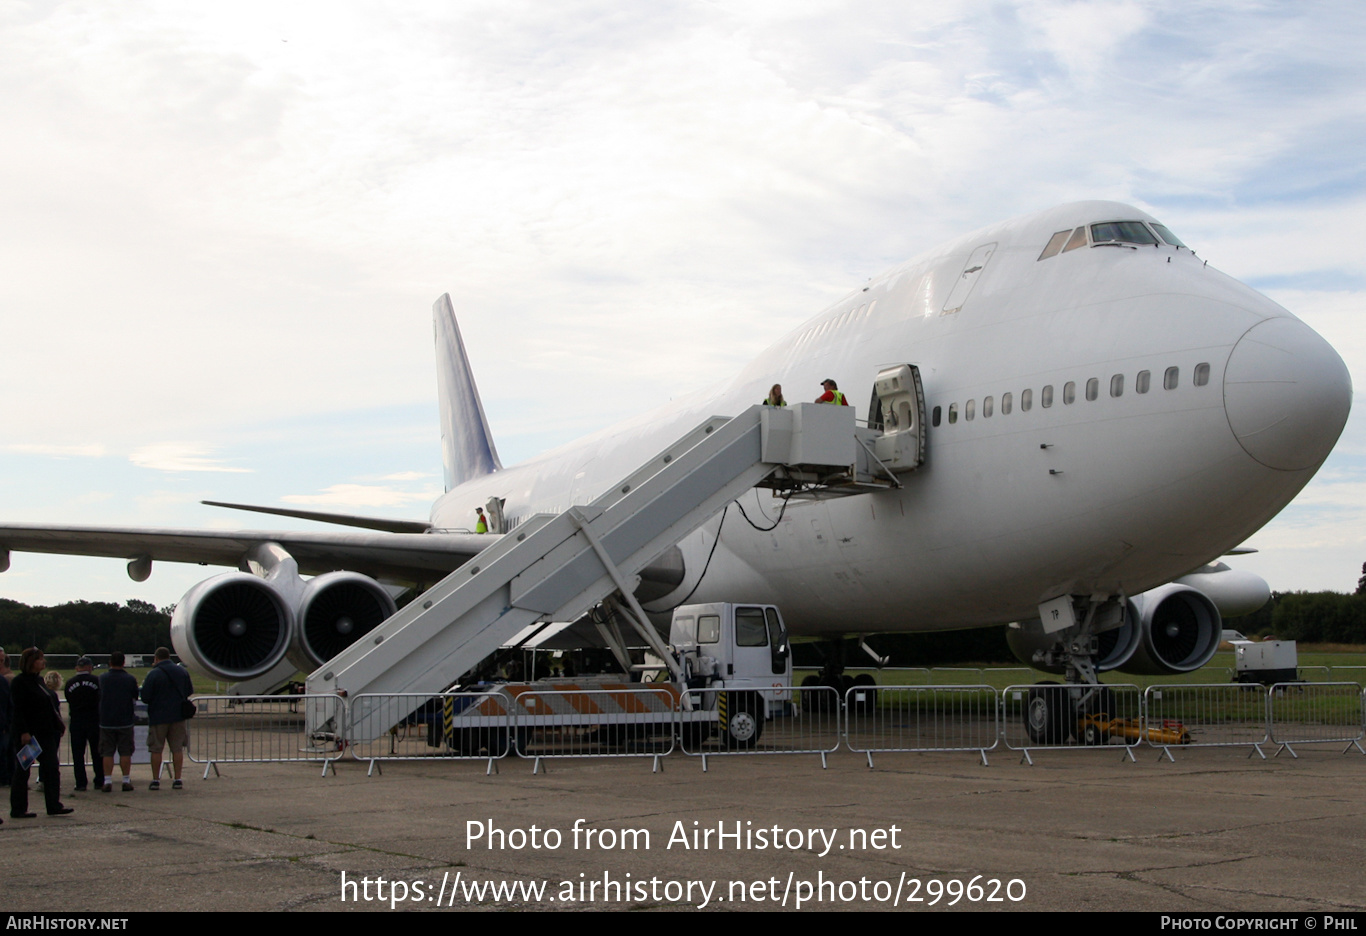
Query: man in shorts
point(166, 690)
point(118, 695)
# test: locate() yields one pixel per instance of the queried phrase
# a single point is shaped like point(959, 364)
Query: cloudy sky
point(225, 224)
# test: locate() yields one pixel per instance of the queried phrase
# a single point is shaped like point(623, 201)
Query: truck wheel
point(1095, 716)
point(1046, 719)
point(745, 726)
point(1093, 734)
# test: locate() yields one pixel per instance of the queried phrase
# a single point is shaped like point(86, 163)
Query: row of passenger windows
point(1171, 379)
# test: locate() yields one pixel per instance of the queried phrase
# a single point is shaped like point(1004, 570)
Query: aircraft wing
point(413, 557)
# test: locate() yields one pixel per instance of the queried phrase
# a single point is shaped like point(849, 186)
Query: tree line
point(1308, 617)
point(84, 627)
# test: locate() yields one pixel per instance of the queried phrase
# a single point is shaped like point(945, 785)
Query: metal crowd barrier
point(266, 729)
point(1315, 673)
point(1355, 674)
point(801, 720)
point(1315, 713)
point(449, 726)
point(561, 723)
point(1055, 716)
point(1207, 715)
point(882, 719)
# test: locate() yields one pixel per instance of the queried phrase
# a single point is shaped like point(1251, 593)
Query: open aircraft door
point(901, 404)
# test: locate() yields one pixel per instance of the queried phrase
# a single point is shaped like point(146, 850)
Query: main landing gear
point(1080, 708)
point(1057, 713)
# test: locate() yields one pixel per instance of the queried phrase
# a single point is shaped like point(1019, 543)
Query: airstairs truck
point(736, 667)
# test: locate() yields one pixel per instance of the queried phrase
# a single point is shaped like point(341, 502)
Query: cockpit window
point(1078, 239)
point(1055, 243)
point(1122, 232)
point(1167, 235)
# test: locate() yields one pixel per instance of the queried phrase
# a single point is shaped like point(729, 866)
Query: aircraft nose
point(1286, 393)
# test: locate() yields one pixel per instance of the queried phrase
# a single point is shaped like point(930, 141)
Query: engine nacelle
point(335, 611)
point(1179, 631)
point(233, 626)
point(1233, 591)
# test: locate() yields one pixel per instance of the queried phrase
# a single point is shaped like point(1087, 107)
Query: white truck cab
point(739, 648)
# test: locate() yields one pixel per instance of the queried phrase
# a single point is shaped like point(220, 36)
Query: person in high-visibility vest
point(481, 525)
point(832, 394)
point(775, 396)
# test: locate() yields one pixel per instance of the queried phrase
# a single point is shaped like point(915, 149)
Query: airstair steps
point(556, 567)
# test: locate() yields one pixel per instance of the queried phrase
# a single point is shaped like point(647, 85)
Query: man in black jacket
point(35, 718)
point(82, 693)
point(166, 690)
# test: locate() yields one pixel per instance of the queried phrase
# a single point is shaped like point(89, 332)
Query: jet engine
point(335, 611)
point(1172, 629)
point(1179, 630)
point(233, 626)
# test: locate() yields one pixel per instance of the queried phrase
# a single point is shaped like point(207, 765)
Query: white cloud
point(180, 456)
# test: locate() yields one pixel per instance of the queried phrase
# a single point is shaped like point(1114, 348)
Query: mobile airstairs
point(556, 568)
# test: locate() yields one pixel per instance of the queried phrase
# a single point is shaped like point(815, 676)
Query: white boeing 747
point(1078, 417)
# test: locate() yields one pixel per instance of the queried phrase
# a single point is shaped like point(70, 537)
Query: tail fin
point(466, 443)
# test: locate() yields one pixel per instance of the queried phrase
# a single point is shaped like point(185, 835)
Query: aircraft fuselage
point(1103, 420)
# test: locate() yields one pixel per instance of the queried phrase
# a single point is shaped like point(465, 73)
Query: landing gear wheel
point(815, 699)
point(1047, 718)
point(864, 700)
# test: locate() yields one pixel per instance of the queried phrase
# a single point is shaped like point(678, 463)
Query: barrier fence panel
point(1072, 716)
point(1208, 715)
point(1356, 674)
point(453, 725)
point(266, 729)
point(801, 720)
point(1315, 713)
point(921, 718)
point(634, 722)
point(1319, 674)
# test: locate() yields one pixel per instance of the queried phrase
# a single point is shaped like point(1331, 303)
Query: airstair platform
point(557, 567)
